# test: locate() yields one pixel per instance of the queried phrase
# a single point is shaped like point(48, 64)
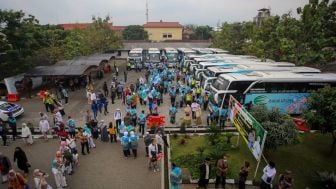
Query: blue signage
point(291, 103)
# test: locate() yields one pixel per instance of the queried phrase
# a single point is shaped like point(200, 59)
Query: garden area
point(310, 154)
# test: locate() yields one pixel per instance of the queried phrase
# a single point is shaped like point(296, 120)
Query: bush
point(280, 127)
point(327, 179)
point(214, 135)
point(183, 127)
point(182, 141)
point(175, 136)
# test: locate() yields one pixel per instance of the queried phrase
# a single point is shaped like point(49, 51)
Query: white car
point(7, 108)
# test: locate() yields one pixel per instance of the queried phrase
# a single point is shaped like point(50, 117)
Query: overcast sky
point(126, 12)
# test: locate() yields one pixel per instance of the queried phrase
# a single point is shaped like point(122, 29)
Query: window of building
point(170, 35)
point(167, 35)
point(164, 35)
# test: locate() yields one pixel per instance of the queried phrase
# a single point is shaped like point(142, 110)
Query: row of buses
point(280, 85)
point(153, 56)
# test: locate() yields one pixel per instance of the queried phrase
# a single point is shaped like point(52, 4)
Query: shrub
point(214, 135)
point(183, 127)
point(327, 179)
point(175, 136)
point(280, 127)
point(182, 141)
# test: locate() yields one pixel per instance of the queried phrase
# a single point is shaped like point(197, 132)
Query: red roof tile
point(162, 25)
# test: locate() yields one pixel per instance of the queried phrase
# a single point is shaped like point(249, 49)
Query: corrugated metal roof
point(70, 70)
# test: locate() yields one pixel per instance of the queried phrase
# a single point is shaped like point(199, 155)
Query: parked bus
point(171, 55)
point(135, 56)
point(286, 91)
point(202, 51)
point(201, 67)
point(217, 51)
point(211, 73)
point(153, 55)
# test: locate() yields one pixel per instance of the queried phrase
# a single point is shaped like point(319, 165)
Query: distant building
point(70, 26)
point(163, 31)
point(262, 15)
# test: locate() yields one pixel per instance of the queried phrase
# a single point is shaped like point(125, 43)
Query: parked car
point(7, 108)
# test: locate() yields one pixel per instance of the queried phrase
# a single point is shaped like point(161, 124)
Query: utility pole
point(146, 10)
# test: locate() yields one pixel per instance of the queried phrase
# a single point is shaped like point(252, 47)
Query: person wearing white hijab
point(134, 143)
point(125, 144)
point(26, 134)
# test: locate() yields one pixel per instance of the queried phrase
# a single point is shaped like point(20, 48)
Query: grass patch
point(311, 154)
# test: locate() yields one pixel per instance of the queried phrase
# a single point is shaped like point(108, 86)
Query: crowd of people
point(127, 127)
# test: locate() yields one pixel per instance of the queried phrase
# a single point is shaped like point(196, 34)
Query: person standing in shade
point(125, 76)
point(105, 89)
point(204, 173)
point(268, 176)
point(12, 124)
point(3, 132)
point(222, 170)
point(175, 177)
point(65, 95)
point(142, 122)
point(21, 159)
point(5, 165)
point(133, 139)
point(286, 180)
point(243, 173)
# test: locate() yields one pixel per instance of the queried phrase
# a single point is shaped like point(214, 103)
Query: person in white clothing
point(44, 128)
point(93, 97)
point(194, 108)
point(153, 151)
point(26, 134)
point(40, 180)
point(268, 176)
point(118, 117)
point(58, 116)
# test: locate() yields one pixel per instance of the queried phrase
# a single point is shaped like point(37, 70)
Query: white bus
point(286, 91)
point(211, 73)
point(134, 56)
point(201, 67)
point(217, 51)
point(153, 55)
point(202, 51)
point(171, 55)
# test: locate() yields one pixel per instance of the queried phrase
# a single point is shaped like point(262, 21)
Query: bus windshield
point(209, 73)
point(171, 56)
point(135, 55)
point(154, 57)
point(221, 84)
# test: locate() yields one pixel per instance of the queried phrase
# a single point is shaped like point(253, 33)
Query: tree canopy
point(25, 43)
point(309, 39)
point(135, 32)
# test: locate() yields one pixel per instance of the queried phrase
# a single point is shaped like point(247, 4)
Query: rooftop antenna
point(146, 10)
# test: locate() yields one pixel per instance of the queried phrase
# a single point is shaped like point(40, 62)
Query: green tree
point(203, 32)
point(321, 113)
point(135, 32)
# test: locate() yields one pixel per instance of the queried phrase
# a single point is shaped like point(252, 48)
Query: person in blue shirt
point(222, 117)
point(12, 124)
point(172, 94)
point(172, 113)
point(72, 127)
point(133, 140)
point(142, 122)
point(125, 144)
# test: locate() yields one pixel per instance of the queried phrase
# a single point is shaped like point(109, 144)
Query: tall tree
point(135, 32)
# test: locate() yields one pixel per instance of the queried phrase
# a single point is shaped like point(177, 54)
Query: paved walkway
point(104, 167)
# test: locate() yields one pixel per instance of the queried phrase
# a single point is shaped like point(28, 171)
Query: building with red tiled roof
point(71, 26)
point(163, 31)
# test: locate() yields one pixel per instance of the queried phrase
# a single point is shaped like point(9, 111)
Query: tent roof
point(71, 70)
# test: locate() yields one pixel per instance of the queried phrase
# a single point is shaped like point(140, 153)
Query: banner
point(250, 129)
point(290, 103)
